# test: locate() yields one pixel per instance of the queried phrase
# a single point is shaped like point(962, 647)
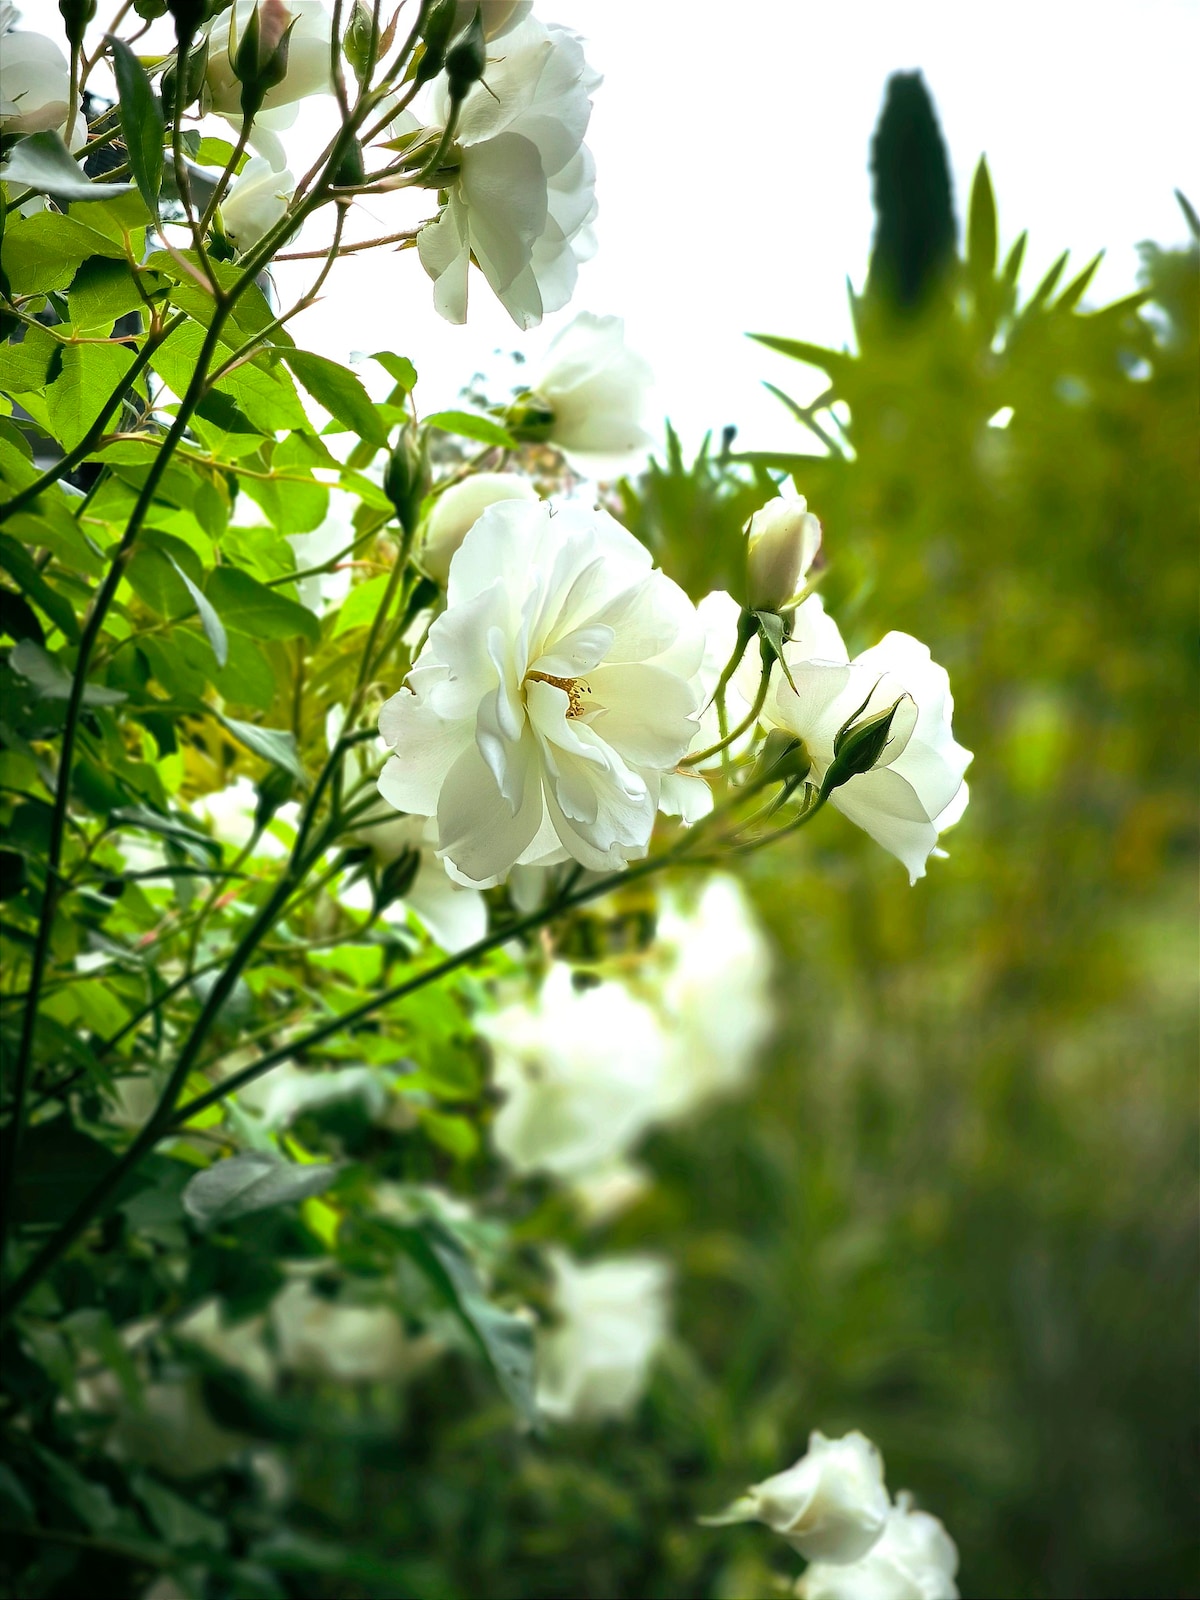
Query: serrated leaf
point(468, 425)
point(41, 161)
point(341, 393)
point(82, 393)
point(43, 252)
point(141, 121)
point(247, 606)
point(252, 1181)
point(277, 745)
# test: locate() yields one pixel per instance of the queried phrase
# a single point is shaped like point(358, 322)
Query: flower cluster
point(833, 1507)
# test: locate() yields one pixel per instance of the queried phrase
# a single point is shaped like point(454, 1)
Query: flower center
point(573, 688)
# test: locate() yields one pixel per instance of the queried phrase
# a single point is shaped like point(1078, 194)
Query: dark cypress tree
point(915, 230)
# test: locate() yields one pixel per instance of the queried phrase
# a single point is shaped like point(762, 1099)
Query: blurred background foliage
point(959, 1211)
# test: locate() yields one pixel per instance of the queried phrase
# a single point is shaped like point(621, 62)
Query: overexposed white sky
point(731, 145)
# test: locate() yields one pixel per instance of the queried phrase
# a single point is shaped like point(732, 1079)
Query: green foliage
point(913, 247)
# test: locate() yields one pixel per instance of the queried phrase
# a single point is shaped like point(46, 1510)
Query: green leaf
point(42, 161)
point(252, 1181)
point(399, 368)
point(101, 291)
point(43, 252)
point(277, 745)
point(981, 227)
point(1046, 288)
point(268, 399)
point(30, 581)
point(52, 681)
point(341, 393)
point(214, 632)
point(837, 363)
point(1077, 288)
point(470, 426)
point(141, 121)
point(247, 606)
point(179, 1522)
point(91, 375)
point(28, 365)
point(505, 1340)
point(361, 605)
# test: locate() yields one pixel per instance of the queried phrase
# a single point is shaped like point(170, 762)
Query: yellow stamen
point(573, 688)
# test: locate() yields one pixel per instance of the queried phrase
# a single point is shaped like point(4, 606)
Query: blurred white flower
point(258, 198)
point(551, 696)
point(580, 1072)
point(523, 195)
point(914, 1559)
point(456, 511)
point(287, 1092)
point(782, 539)
point(35, 82)
point(613, 1317)
point(714, 993)
point(239, 1345)
point(596, 387)
point(831, 1506)
point(323, 1338)
point(230, 814)
point(308, 72)
point(915, 788)
point(325, 591)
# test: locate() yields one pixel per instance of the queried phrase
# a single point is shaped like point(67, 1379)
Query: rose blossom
point(522, 197)
point(831, 1506)
point(552, 695)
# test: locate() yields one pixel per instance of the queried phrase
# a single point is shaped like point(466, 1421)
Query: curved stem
point(743, 726)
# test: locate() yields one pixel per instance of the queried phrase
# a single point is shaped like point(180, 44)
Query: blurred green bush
point(959, 1212)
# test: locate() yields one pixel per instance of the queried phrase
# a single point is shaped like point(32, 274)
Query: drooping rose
point(594, 387)
point(914, 1559)
point(613, 1317)
point(522, 197)
point(831, 1506)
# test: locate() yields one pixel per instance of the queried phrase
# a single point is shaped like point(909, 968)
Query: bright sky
point(733, 185)
point(731, 144)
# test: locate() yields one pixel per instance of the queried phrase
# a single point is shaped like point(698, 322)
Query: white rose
point(914, 1559)
point(782, 538)
point(308, 72)
point(612, 1320)
point(258, 198)
point(579, 1071)
point(596, 388)
point(714, 994)
point(287, 1092)
point(552, 695)
point(831, 1506)
point(456, 511)
point(915, 789)
point(523, 197)
point(35, 84)
point(230, 813)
